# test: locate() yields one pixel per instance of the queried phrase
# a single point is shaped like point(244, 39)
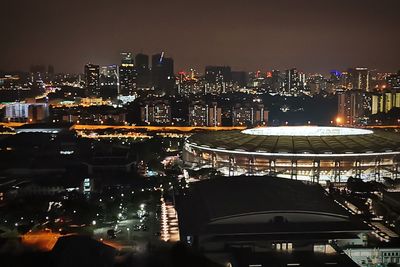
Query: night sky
point(314, 36)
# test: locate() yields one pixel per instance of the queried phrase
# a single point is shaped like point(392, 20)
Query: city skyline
point(312, 36)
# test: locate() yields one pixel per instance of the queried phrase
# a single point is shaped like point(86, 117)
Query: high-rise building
point(108, 81)
point(249, 114)
point(143, 79)
point(109, 75)
point(157, 112)
point(385, 101)
point(353, 106)
point(359, 79)
point(316, 83)
point(292, 82)
point(202, 114)
point(27, 112)
point(276, 80)
point(218, 74)
point(163, 73)
point(127, 75)
point(92, 79)
point(218, 79)
point(142, 63)
point(393, 80)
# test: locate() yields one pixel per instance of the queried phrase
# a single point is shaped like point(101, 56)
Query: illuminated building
point(30, 112)
point(393, 80)
point(354, 106)
point(317, 84)
point(92, 79)
point(276, 80)
point(201, 114)
point(298, 152)
point(385, 101)
point(218, 74)
point(218, 79)
point(108, 81)
point(109, 76)
point(359, 79)
point(92, 101)
point(292, 82)
point(249, 114)
point(127, 75)
point(157, 112)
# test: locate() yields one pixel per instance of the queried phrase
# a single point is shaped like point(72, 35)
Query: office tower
point(359, 79)
point(92, 79)
point(109, 75)
point(127, 75)
point(354, 106)
point(292, 82)
point(143, 79)
point(163, 73)
point(109, 81)
point(142, 63)
point(276, 80)
point(202, 114)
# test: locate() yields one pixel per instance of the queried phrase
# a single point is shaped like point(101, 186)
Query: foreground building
point(298, 152)
point(270, 220)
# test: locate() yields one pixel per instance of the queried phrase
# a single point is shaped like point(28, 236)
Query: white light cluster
point(306, 131)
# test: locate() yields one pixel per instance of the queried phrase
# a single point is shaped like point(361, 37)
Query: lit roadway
point(170, 128)
point(147, 128)
point(155, 128)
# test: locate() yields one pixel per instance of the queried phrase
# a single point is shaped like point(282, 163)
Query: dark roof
point(250, 194)
point(378, 141)
point(243, 196)
point(78, 251)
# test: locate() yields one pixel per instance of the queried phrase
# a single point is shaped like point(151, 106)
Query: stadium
point(311, 153)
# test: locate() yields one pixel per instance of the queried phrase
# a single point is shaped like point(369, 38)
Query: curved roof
point(356, 141)
point(259, 195)
point(259, 204)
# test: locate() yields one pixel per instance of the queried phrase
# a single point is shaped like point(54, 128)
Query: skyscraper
point(353, 106)
point(142, 63)
point(359, 79)
point(127, 75)
point(109, 81)
point(143, 79)
point(292, 82)
point(163, 73)
point(92, 79)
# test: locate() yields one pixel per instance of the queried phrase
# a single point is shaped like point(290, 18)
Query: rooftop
point(252, 204)
point(303, 140)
